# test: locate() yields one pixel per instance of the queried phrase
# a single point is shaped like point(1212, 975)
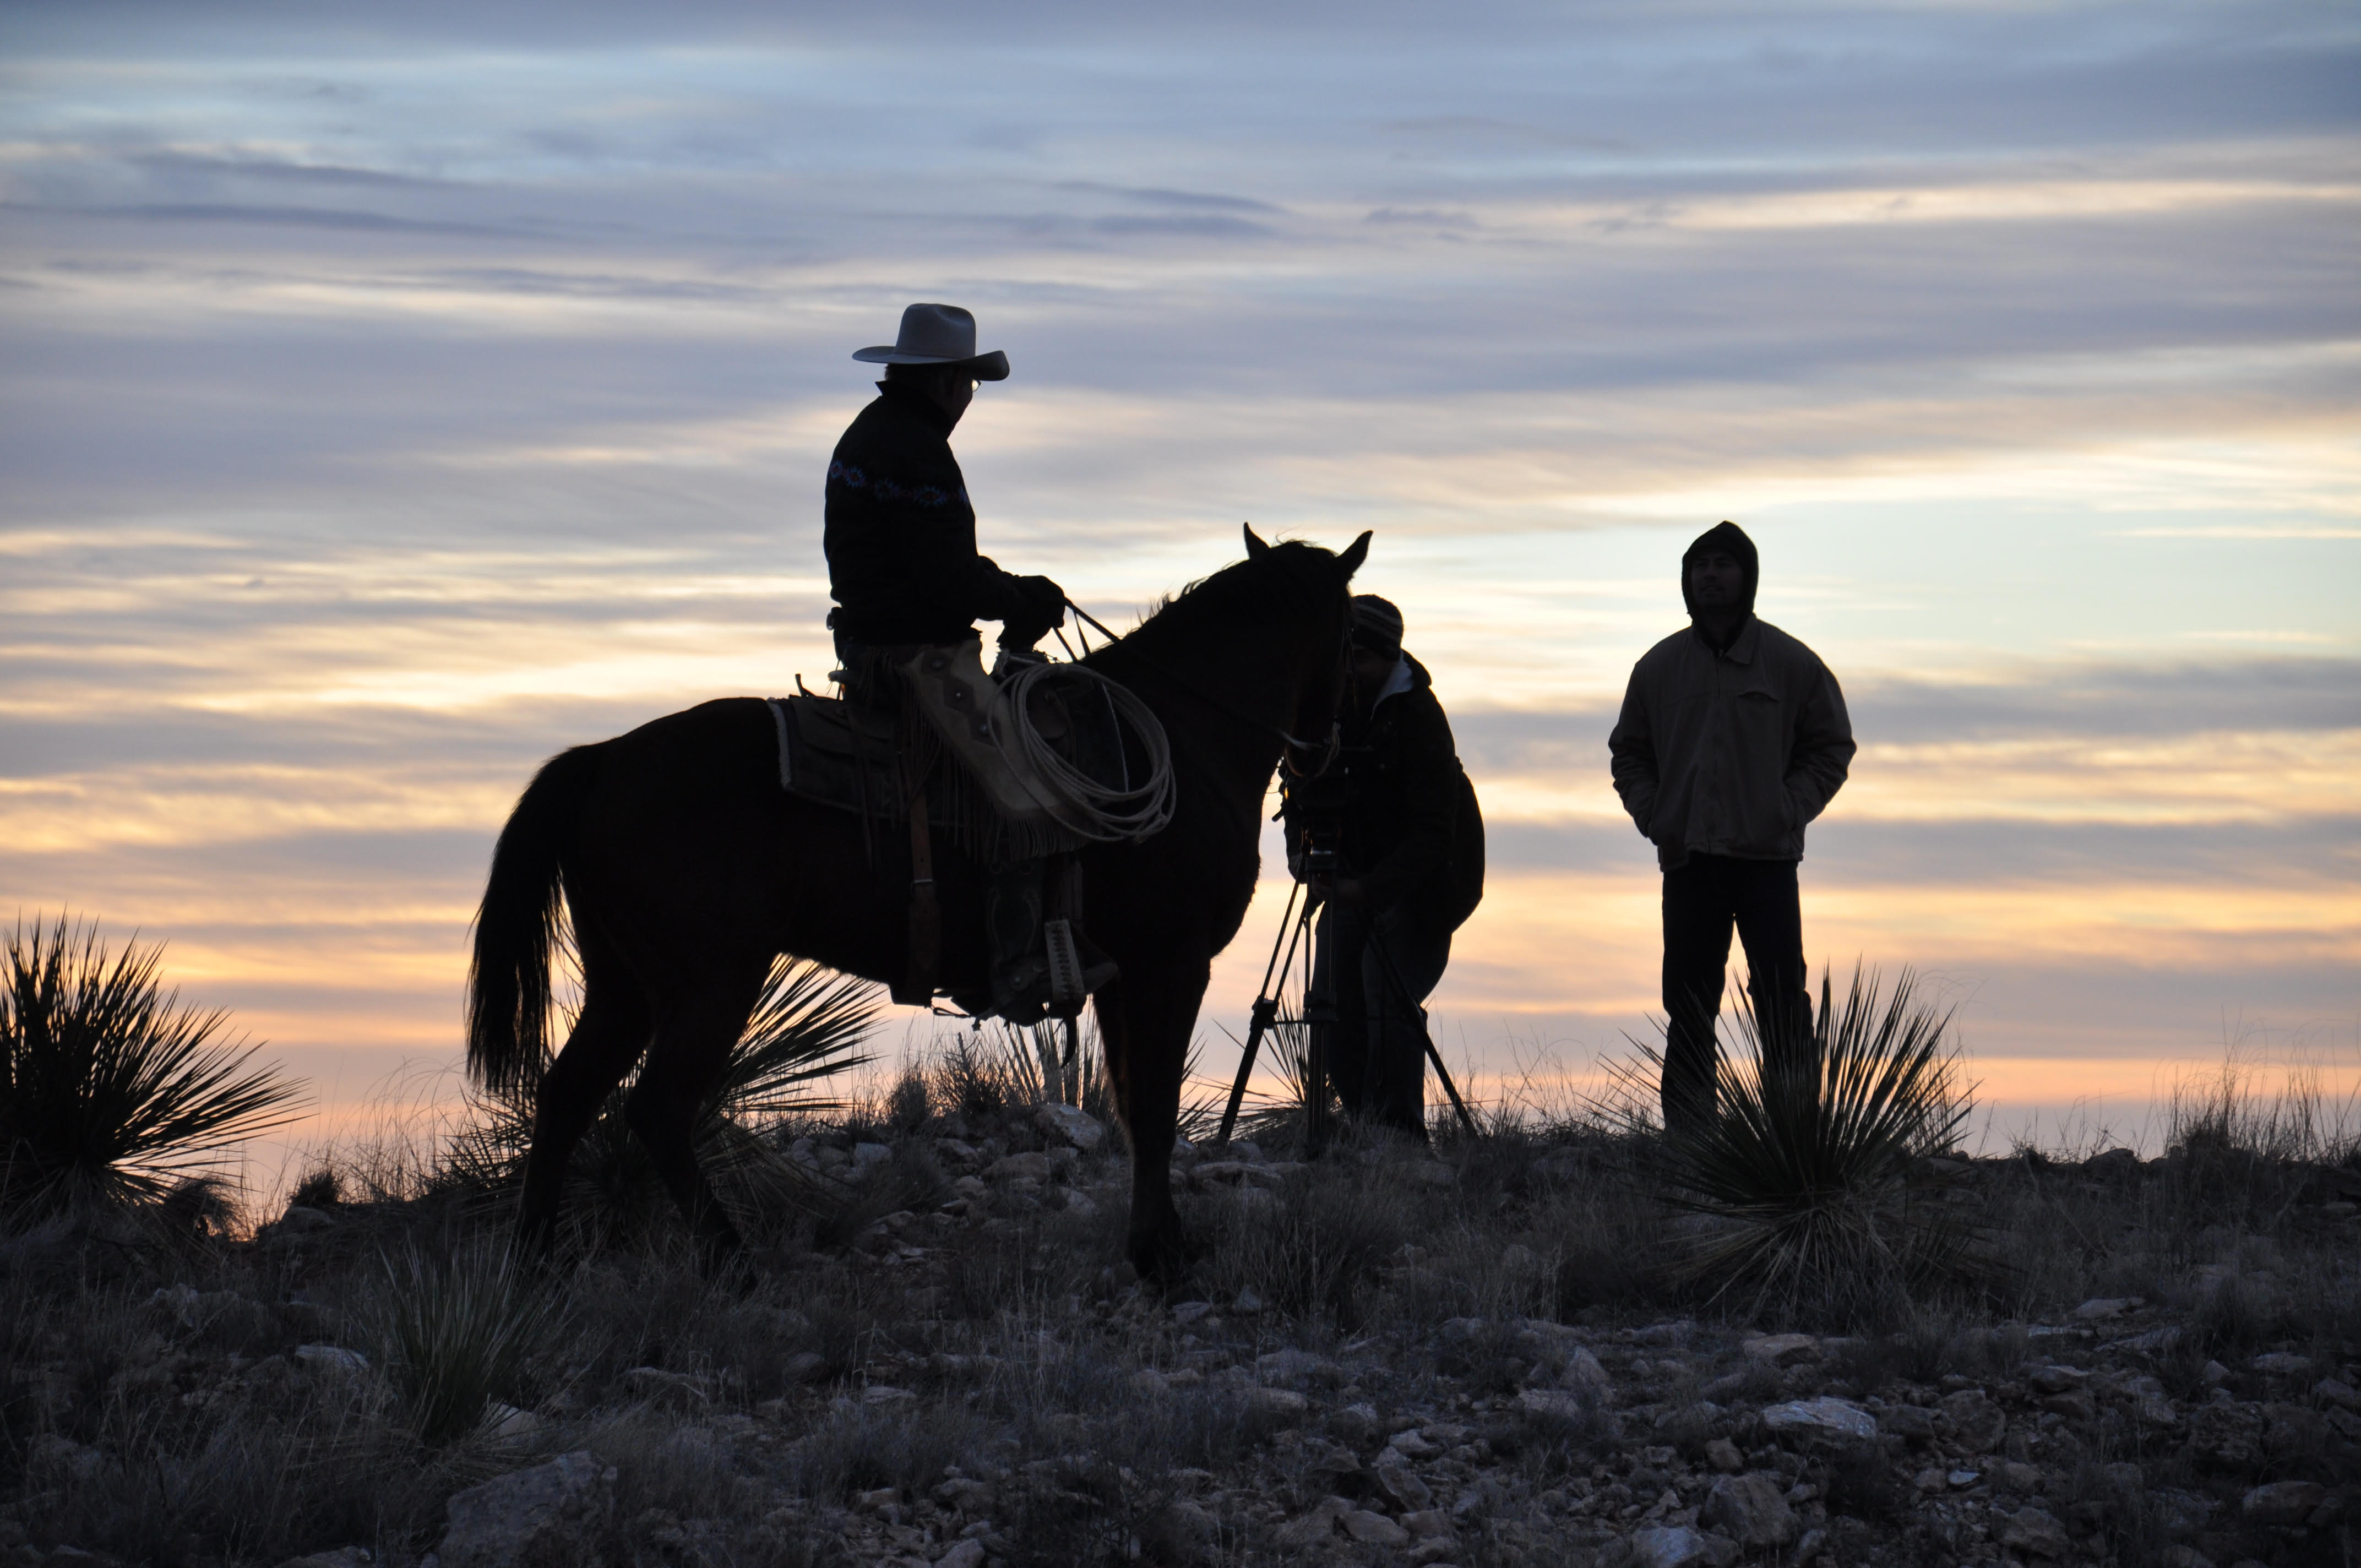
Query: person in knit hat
point(1733, 736)
point(1410, 837)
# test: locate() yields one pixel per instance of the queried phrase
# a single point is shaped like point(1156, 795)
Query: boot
point(1012, 930)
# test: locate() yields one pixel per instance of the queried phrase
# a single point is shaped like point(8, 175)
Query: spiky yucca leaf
point(110, 1091)
point(1805, 1181)
point(456, 1333)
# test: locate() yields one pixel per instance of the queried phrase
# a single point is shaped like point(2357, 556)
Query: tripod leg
point(1319, 1026)
point(1266, 1012)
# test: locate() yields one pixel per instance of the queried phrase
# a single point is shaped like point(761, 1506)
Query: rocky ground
point(1473, 1357)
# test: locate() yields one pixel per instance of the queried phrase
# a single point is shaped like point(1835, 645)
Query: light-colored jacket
point(1729, 752)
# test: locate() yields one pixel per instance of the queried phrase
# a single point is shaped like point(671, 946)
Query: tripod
point(1317, 1016)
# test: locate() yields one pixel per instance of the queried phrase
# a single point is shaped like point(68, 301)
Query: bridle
point(1327, 749)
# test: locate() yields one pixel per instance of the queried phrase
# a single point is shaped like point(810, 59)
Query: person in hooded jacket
point(1410, 837)
point(1733, 736)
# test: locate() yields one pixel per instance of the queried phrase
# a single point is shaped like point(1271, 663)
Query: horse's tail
point(508, 978)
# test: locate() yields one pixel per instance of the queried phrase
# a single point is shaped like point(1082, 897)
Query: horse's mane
point(1253, 591)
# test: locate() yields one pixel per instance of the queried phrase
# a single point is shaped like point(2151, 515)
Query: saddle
point(950, 746)
point(945, 764)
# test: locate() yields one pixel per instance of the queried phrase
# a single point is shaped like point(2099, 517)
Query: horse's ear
point(1255, 548)
point(1354, 554)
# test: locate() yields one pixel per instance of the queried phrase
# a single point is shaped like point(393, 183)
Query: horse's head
point(1322, 653)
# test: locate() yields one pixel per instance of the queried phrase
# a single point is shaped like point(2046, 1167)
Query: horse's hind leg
point(606, 1039)
point(687, 1059)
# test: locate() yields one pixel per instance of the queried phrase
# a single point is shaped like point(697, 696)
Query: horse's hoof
point(1162, 1257)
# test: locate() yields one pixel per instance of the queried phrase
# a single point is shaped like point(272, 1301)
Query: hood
point(1729, 537)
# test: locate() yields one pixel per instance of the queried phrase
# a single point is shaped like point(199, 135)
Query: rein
point(1327, 749)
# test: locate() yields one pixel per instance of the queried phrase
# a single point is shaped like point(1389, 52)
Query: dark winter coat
point(1729, 751)
point(901, 562)
point(1412, 830)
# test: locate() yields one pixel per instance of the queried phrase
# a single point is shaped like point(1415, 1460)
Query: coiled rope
point(1101, 813)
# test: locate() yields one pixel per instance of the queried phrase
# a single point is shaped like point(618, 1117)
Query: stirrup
point(1071, 982)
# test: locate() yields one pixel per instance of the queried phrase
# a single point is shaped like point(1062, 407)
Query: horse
point(686, 871)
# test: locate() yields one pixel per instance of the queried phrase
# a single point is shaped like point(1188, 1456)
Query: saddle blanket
point(836, 754)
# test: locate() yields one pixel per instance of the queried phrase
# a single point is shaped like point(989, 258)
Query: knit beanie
point(1729, 539)
point(1376, 625)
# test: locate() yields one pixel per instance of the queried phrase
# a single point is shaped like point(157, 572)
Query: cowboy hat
point(938, 334)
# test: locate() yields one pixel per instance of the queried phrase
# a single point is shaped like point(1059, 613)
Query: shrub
point(455, 1334)
point(110, 1091)
point(1806, 1186)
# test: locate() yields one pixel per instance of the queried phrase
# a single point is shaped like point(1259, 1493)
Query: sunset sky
point(394, 395)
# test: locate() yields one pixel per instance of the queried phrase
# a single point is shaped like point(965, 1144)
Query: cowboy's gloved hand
point(1042, 612)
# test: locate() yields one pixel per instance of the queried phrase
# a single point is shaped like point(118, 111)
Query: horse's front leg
point(1146, 1019)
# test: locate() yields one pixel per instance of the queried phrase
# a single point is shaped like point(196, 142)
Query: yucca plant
point(1807, 1181)
point(808, 1025)
point(111, 1092)
point(456, 1332)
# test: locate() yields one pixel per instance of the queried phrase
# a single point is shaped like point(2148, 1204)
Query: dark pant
point(1703, 899)
point(1377, 1057)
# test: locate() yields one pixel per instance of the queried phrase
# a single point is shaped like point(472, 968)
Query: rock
point(1823, 1419)
point(1723, 1455)
point(1783, 1350)
point(2101, 1308)
point(2058, 1380)
point(1187, 1312)
point(1584, 1372)
point(1072, 1122)
point(1373, 1529)
point(2030, 1529)
point(180, 1302)
point(1912, 1422)
point(508, 1421)
point(2282, 1502)
point(1427, 1524)
point(674, 1391)
point(2113, 1164)
point(867, 1157)
point(2282, 1363)
point(1179, 1532)
point(968, 1553)
point(1295, 1366)
point(1410, 1444)
point(1316, 1527)
point(547, 1514)
point(331, 1358)
point(1558, 1405)
point(1679, 1547)
point(1400, 1483)
point(2330, 1391)
point(1978, 1422)
point(1751, 1509)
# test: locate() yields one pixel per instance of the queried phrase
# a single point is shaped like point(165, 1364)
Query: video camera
point(1316, 810)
